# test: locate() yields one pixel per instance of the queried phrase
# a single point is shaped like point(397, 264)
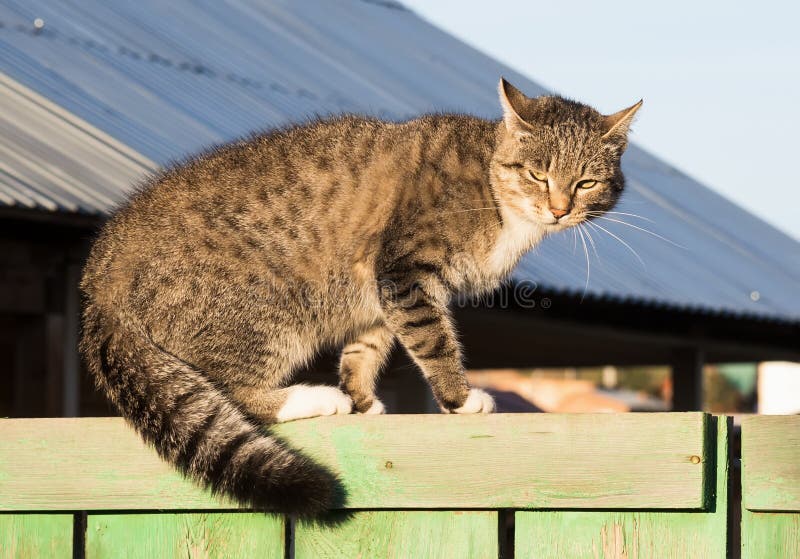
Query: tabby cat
point(226, 273)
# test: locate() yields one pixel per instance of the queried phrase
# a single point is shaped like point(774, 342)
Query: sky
point(720, 80)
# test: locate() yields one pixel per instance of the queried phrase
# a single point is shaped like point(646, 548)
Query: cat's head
point(557, 162)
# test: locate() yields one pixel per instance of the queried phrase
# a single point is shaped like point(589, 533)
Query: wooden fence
point(523, 486)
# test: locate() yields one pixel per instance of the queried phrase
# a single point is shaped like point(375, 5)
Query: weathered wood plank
point(201, 535)
point(771, 483)
point(400, 535)
point(48, 536)
point(771, 463)
point(628, 535)
point(610, 535)
point(775, 535)
point(513, 460)
point(429, 461)
point(88, 464)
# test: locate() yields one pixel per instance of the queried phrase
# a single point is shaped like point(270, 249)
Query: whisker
point(586, 252)
point(643, 230)
point(591, 241)
point(597, 214)
point(629, 247)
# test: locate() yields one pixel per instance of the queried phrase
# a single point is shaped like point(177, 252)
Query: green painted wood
point(400, 535)
point(424, 461)
point(773, 535)
point(629, 535)
point(88, 464)
point(31, 536)
point(186, 535)
point(771, 483)
point(607, 535)
point(511, 460)
point(771, 463)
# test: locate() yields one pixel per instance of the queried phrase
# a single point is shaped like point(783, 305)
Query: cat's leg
point(360, 365)
point(255, 379)
point(421, 322)
point(299, 401)
point(252, 349)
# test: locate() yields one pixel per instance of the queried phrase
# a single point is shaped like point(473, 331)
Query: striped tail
point(194, 425)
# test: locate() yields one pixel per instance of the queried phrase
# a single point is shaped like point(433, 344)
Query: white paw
point(312, 401)
point(376, 408)
point(478, 401)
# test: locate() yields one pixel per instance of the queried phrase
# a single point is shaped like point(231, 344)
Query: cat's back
point(291, 163)
point(298, 199)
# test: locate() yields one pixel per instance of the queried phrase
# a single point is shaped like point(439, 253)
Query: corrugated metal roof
point(167, 78)
point(51, 160)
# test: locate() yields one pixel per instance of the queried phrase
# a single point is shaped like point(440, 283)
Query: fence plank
point(201, 535)
point(385, 534)
point(88, 464)
point(775, 535)
point(771, 487)
point(610, 535)
point(613, 534)
point(512, 461)
point(771, 463)
point(32, 536)
point(636, 461)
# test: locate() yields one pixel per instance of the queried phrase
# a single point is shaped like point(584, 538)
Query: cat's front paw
point(376, 408)
point(477, 401)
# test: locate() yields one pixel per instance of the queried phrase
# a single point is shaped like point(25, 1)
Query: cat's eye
point(586, 185)
point(537, 176)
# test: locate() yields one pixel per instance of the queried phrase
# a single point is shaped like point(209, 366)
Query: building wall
point(779, 388)
point(39, 269)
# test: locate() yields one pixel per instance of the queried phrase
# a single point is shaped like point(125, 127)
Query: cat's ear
point(616, 126)
point(513, 100)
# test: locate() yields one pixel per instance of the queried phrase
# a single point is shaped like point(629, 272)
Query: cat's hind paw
point(312, 401)
point(477, 401)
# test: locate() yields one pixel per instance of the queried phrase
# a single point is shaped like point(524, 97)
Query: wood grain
point(771, 463)
point(611, 535)
point(772, 535)
point(88, 463)
point(511, 461)
point(187, 535)
point(399, 535)
point(33, 536)
point(771, 482)
point(637, 461)
point(632, 535)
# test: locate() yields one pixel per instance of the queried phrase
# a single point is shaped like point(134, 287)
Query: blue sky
point(720, 80)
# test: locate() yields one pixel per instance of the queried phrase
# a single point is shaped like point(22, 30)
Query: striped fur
point(226, 273)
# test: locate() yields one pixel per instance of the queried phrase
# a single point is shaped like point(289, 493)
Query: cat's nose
point(558, 214)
